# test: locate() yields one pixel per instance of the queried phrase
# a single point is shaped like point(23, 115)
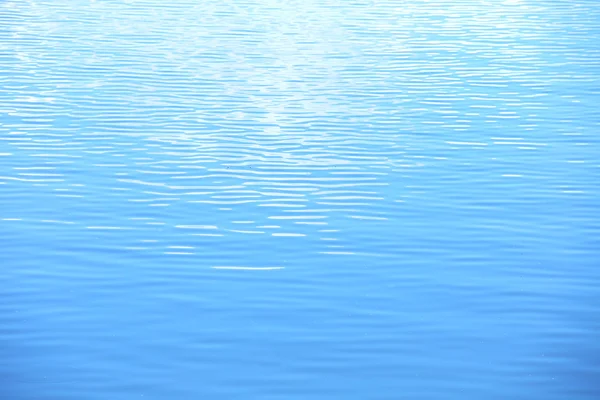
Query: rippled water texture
point(262, 199)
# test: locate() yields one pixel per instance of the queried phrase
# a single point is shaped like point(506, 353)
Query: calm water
point(264, 199)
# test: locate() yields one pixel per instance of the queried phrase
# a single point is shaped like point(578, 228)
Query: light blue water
point(408, 191)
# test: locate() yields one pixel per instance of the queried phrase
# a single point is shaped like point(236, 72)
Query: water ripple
point(416, 182)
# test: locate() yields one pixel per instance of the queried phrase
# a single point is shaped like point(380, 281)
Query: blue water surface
point(259, 199)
